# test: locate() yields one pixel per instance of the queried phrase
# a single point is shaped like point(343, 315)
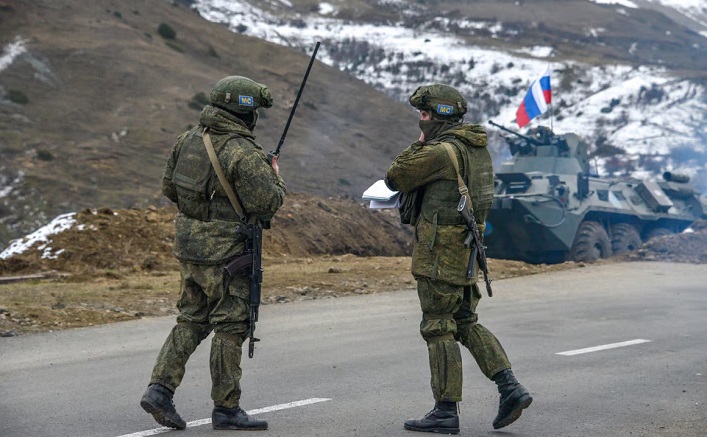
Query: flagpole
point(552, 111)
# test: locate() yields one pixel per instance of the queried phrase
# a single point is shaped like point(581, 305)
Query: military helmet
point(240, 95)
point(440, 99)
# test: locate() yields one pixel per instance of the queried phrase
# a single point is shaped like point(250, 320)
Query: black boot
point(442, 419)
point(514, 399)
point(157, 401)
point(235, 418)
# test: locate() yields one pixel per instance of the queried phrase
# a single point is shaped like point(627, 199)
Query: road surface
point(613, 350)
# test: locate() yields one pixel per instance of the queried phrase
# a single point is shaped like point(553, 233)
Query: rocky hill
point(628, 76)
point(93, 94)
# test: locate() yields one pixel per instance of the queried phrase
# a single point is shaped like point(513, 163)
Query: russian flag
point(536, 99)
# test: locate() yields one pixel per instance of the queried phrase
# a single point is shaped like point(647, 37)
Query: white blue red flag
point(536, 99)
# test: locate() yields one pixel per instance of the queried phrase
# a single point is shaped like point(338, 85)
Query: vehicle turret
point(548, 208)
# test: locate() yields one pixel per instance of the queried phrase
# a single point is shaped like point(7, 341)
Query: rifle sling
point(463, 190)
point(222, 178)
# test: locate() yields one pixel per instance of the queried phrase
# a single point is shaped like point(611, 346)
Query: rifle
point(276, 152)
point(252, 260)
point(473, 241)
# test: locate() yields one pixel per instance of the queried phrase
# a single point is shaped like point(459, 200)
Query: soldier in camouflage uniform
point(425, 175)
point(206, 238)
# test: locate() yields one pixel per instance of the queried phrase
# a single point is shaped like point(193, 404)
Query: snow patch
point(58, 225)
point(537, 51)
point(627, 3)
point(594, 32)
point(326, 8)
point(644, 111)
point(6, 190)
point(11, 52)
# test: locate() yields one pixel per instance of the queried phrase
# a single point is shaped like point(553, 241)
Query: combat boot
point(235, 418)
point(157, 401)
point(442, 419)
point(514, 398)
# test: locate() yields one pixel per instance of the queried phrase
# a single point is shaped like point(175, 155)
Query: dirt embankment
point(119, 264)
point(106, 242)
point(688, 247)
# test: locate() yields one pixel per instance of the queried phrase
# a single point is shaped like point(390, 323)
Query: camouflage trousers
point(448, 317)
point(207, 302)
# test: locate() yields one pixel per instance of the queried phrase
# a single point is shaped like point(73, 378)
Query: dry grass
point(47, 305)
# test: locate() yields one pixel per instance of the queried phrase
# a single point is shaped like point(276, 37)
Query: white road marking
point(201, 422)
point(603, 347)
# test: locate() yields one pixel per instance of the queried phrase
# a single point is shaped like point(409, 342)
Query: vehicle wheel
point(658, 232)
point(624, 238)
point(590, 243)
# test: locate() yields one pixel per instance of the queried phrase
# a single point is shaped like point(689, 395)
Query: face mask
point(432, 128)
point(251, 125)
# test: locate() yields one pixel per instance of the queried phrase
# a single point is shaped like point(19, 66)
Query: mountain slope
point(92, 97)
point(628, 79)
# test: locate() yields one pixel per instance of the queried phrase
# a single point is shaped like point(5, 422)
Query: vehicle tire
point(590, 243)
point(624, 238)
point(658, 232)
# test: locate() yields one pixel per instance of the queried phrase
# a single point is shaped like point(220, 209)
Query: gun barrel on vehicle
point(505, 129)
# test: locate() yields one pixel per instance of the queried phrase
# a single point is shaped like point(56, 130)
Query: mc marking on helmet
point(445, 110)
point(245, 100)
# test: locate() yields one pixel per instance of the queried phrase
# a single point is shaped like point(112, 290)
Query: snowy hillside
point(659, 120)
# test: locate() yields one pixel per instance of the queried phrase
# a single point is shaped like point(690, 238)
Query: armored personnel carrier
point(548, 209)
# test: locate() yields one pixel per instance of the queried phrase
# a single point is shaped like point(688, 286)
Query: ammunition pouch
point(440, 203)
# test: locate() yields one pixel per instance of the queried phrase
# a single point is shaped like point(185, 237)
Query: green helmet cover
point(440, 99)
point(240, 95)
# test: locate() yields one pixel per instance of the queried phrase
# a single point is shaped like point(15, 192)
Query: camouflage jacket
point(439, 252)
point(212, 238)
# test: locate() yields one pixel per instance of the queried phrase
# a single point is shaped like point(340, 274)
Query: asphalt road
point(365, 356)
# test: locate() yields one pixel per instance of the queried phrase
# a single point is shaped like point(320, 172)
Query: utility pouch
point(410, 206)
point(191, 177)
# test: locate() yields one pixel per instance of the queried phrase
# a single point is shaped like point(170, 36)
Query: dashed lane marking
point(202, 422)
point(602, 347)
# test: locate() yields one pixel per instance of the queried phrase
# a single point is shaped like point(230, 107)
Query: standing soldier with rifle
point(446, 179)
point(226, 190)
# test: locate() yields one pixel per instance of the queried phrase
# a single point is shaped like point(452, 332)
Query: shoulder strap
point(465, 157)
point(222, 177)
point(463, 190)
